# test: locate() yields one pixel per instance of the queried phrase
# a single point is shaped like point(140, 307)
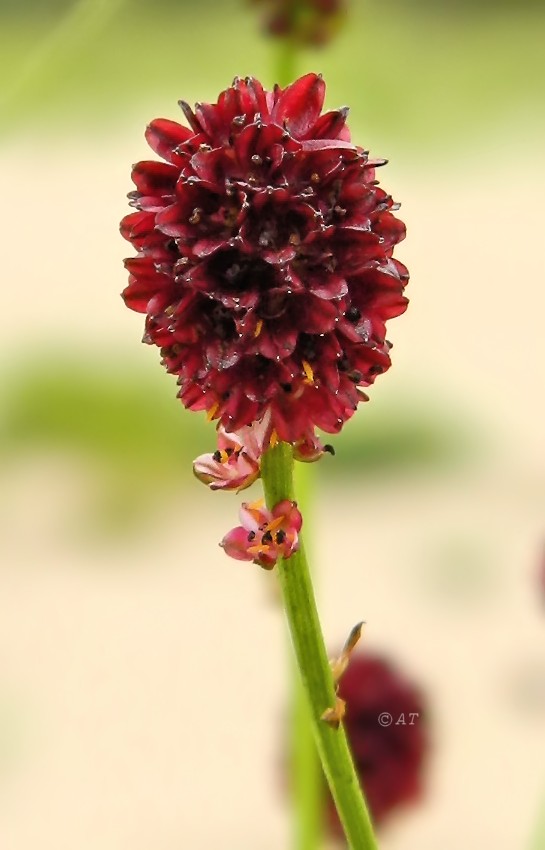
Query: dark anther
point(251, 536)
point(280, 536)
point(353, 314)
point(217, 455)
point(229, 451)
point(355, 376)
point(286, 387)
point(343, 364)
point(375, 370)
point(329, 448)
point(307, 347)
point(267, 537)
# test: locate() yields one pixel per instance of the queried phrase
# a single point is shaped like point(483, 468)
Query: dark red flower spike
point(264, 263)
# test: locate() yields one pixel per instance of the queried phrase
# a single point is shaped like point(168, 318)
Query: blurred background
point(143, 676)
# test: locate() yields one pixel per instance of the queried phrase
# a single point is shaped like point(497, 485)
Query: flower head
point(264, 535)
point(264, 262)
point(386, 726)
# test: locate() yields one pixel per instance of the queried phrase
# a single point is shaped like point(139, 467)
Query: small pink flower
point(264, 535)
point(236, 463)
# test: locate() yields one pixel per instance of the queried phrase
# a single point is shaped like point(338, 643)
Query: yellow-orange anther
point(307, 369)
point(275, 523)
point(211, 412)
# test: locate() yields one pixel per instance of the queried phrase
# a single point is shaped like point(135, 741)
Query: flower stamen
point(265, 536)
point(307, 369)
point(211, 412)
point(276, 523)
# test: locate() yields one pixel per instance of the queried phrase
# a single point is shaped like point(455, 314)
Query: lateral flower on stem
point(265, 536)
point(236, 463)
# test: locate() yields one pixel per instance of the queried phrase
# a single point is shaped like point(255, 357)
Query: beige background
point(142, 687)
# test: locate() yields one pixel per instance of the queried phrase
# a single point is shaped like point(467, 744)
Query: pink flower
point(236, 463)
point(264, 535)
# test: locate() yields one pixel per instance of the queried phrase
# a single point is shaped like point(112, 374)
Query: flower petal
point(235, 543)
point(300, 104)
point(164, 136)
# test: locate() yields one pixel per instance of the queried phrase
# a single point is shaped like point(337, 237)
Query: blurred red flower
point(388, 733)
point(306, 21)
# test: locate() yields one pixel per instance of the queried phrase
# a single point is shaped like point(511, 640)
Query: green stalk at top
point(285, 70)
point(312, 662)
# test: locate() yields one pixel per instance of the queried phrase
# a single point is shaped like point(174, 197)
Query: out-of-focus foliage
point(415, 72)
point(140, 442)
point(409, 435)
point(115, 416)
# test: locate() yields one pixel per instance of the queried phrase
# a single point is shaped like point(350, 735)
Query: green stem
point(285, 66)
point(306, 773)
point(312, 661)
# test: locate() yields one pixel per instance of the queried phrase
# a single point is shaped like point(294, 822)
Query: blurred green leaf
point(419, 75)
point(123, 420)
point(403, 436)
point(126, 421)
